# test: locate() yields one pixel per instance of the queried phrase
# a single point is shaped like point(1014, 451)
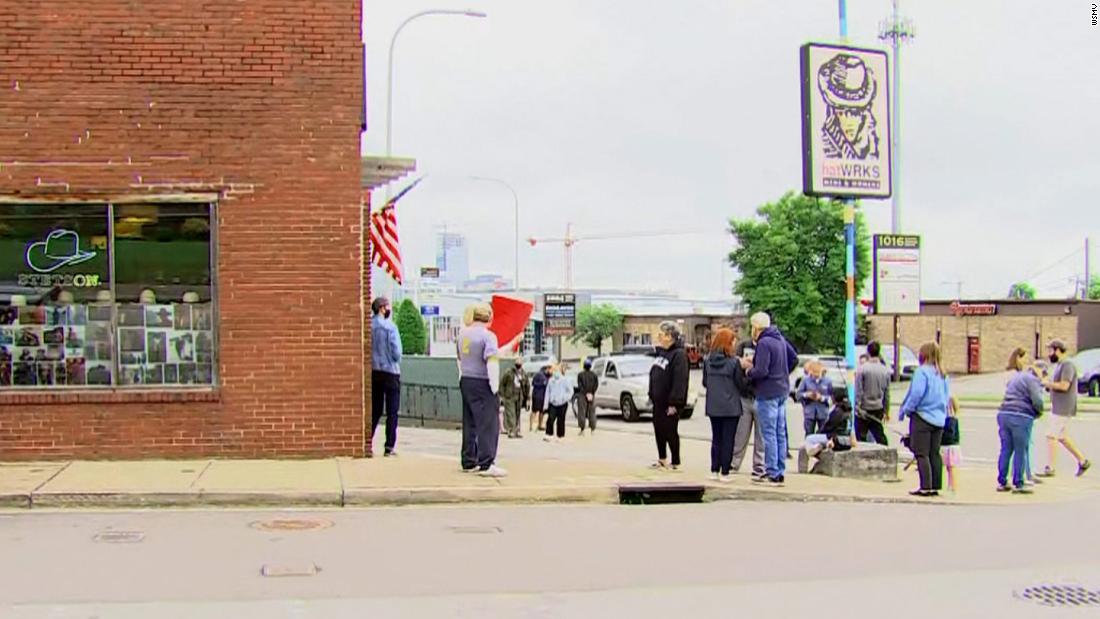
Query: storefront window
point(99, 295)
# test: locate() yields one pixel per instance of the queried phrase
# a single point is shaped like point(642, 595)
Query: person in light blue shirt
point(815, 392)
point(559, 391)
point(926, 405)
point(385, 374)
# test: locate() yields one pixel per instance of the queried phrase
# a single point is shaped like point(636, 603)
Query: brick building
point(181, 249)
point(978, 336)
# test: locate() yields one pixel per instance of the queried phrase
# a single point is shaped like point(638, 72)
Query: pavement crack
point(209, 463)
point(51, 478)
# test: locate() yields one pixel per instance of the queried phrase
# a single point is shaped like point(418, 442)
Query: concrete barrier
point(866, 461)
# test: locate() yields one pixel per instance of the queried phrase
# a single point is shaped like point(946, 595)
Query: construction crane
point(568, 241)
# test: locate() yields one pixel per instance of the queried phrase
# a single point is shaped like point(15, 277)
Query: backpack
point(950, 432)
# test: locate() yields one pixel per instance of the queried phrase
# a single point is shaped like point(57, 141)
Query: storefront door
point(973, 355)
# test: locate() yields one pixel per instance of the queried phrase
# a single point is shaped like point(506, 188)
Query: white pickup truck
point(624, 384)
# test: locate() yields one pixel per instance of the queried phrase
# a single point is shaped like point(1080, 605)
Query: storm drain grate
point(291, 524)
point(119, 537)
point(476, 530)
point(1061, 595)
point(630, 494)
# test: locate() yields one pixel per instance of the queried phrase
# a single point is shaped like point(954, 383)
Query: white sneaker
point(493, 471)
point(726, 479)
point(714, 476)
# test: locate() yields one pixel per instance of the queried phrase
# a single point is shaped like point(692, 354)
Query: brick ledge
point(109, 396)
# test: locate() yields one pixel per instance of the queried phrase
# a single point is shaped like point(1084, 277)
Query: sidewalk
point(589, 469)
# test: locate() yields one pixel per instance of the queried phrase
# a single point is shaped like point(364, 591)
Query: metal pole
point(895, 201)
point(849, 265)
point(389, 88)
point(515, 202)
point(1088, 271)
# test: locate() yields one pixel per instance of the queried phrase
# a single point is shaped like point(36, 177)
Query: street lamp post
point(515, 202)
point(389, 74)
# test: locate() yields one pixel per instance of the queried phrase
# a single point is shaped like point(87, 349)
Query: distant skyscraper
point(452, 257)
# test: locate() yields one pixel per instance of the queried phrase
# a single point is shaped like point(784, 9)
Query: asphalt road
point(712, 560)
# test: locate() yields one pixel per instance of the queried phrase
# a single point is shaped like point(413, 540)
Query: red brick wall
point(259, 100)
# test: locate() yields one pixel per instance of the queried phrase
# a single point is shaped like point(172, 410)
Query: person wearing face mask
point(513, 397)
point(538, 398)
point(385, 375)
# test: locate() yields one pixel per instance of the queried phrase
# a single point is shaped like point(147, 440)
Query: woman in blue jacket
point(1022, 405)
point(926, 405)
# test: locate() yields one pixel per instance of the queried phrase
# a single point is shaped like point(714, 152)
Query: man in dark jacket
point(587, 384)
point(538, 397)
point(668, 389)
point(770, 372)
point(513, 390)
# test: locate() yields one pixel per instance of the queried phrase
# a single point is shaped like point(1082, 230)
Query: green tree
point(1094, 288)
point(1022, 291)
point(595, 323)
point(791, 259)
point(414, 335)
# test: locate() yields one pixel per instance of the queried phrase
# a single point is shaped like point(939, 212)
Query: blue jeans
point(1015, 433)
point(772, 414)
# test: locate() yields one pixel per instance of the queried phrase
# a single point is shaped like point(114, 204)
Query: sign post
point(559, 313)
point(846, 143)
point(897, 282)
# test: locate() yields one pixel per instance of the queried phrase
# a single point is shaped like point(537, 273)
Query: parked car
point(1088, 371)
point(909, 360)
point(624, 385)
point(649, 350)
point(534, 363)
point(836, 369)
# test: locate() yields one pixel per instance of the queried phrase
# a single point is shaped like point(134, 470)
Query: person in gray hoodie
point(725, 381)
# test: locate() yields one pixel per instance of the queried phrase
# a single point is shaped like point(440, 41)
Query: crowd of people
point(747, 382)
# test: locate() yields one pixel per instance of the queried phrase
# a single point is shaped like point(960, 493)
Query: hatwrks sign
point(845, 122)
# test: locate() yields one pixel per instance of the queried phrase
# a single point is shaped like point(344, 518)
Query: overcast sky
point(638, 116)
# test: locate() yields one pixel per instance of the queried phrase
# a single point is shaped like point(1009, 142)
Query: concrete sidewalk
point(589, 469)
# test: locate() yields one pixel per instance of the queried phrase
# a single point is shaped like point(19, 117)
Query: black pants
point(722, 432)
point(666, 429)
point(924, 440)
point(875, 428)
point(480, 423)
point(556, 415)
point(385, 397)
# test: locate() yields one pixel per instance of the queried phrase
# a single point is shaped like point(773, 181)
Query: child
point(814, 393)
point(950, 450)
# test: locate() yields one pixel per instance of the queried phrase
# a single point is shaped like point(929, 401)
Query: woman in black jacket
point(668, 388)
point(725, 382)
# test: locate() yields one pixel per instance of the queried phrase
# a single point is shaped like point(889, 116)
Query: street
point(853, 560)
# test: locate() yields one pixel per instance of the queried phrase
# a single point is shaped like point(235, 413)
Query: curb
point(114, 500)
point(15, 501)
point(482, 494)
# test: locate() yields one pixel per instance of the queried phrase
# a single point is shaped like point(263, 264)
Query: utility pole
point(1088, 271)
point(897, 30)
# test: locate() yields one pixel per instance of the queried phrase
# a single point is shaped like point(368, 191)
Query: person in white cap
point(477, 363)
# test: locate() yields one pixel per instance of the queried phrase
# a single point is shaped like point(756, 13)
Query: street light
point(515, 200)
point(389, 75)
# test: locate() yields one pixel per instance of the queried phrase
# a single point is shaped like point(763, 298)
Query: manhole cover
point(291, 524)
point(1061, 595)
point(476, 530)
point(278, 570)
point(119, 537)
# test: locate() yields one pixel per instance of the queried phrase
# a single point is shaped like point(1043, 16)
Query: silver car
point(624, 385)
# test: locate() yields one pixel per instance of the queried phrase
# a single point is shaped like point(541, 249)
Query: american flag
point(385, 248)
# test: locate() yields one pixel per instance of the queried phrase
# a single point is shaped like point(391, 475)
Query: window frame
point(210, 200)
